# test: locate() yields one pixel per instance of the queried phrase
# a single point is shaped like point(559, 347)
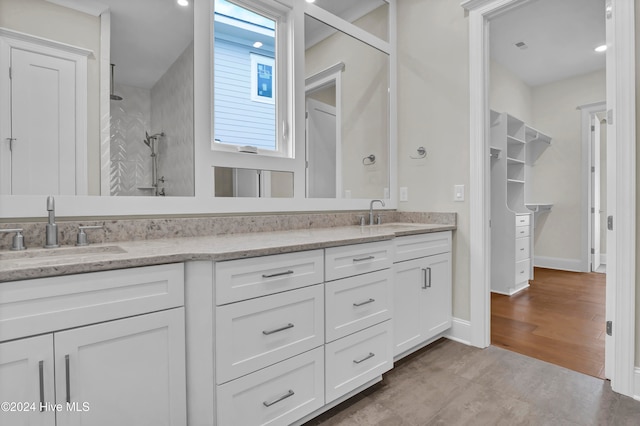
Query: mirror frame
point(204, 203)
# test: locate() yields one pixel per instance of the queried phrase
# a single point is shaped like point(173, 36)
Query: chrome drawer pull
point(522, 272)
point(41, 371)
point(365, 302)
point(522, 249)
point(362, 259)
point(277, 274)
point(358, 361)
point(286, 327)
point(290, 393)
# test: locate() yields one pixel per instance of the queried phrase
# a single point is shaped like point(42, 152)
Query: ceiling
point(560, 36)
point(147, 36)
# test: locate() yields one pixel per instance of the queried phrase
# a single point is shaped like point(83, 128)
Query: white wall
point(47, 20)
point(557, 175)
point(507, 93)
point(433, 111)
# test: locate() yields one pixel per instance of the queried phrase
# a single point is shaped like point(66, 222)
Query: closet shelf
point(515, 181)
point(513, 140)
point(514, 161)
point(532, 136)
point(539, 207)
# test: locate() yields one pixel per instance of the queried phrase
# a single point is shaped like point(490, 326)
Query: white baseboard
point(558, 263)
point(636, 384)
point(460, 331)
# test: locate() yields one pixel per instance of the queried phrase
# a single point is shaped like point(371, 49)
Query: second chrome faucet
point(51, 237)
point(371, 222)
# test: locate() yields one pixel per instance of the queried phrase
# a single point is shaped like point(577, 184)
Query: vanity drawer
point(523, 219)
point(242, 279)
point(523, 231)
point(276, 395)
point(522, 271)
point(522, 248)
point(357, 302)
point(356, 359)
point(256, 333)
point(416, 246)
point(49, 304)
point(346, 261)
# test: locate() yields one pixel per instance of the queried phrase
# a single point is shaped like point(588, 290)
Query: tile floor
point(449, 383)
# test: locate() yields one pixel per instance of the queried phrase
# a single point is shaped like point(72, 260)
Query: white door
point(595, 208)
point(321, 150)
point(26, 376)
point(124, 372)
point(407, 305)
point(43, 125)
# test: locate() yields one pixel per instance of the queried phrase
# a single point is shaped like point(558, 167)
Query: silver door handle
point(362, 259)
point(361, 360)
point(41, 374)
point(289, 394)
point(67, 376)
point(286, 327)
point(277, 274)
point(426, 277)
point(365, 302)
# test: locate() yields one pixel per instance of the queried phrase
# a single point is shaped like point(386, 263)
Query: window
point(248, 82)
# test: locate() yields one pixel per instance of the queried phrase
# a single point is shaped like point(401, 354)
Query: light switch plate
point(404, 193)
point(458, 193)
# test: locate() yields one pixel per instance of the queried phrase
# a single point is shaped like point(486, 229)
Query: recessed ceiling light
point(311, 1)
point(183, 2)
point(601, 48)
point(257, 44)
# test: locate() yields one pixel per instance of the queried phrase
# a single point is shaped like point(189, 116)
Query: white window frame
point(227, 155)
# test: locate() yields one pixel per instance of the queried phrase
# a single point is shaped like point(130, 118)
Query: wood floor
point(560, 319)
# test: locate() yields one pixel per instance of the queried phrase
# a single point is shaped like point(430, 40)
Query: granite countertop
point(39, 262)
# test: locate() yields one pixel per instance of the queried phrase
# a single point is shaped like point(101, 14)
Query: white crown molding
point(17, 35)
point(89, 7)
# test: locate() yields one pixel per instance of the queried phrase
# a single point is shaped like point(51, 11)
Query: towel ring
point(371, 158)
point(422, 153)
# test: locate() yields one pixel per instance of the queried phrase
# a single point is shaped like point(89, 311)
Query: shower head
point(113, 96)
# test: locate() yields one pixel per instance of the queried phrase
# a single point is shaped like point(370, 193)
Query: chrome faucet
point(371, 210)
point(52, 229)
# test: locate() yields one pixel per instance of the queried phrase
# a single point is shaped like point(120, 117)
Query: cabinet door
point(407, 305)
point(26, 377)
point(124, 372)
point(422, 300)
point(437, 295)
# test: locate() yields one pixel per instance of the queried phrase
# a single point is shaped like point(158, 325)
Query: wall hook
point(422, 153)
point(371, 160)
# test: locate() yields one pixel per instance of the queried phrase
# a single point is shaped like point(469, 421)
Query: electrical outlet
point(404, 193)
point(386, 193)
point(458, 193)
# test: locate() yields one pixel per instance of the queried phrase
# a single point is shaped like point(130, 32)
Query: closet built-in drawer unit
point(522, 248)
point(523, 219)
point(522, 271)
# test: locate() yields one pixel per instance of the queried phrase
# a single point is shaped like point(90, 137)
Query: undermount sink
point(41, 253)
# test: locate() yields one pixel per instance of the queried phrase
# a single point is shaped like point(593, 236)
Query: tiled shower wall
point(168, 108)
point(130, 157)
point(172, 113)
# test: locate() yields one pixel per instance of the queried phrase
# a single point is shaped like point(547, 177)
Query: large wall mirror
point(138, 127)
point(128, 112)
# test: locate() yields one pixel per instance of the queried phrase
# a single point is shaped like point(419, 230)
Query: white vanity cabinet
point(422, 290)
point(108, 345)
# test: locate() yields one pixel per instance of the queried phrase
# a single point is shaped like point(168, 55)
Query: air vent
point(522, 45)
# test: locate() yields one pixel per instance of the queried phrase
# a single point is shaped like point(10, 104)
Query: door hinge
point(593, 128)
point(593, 169)
point(593, 251)
point(10, 75)
point(593, 209)
point(306, 114)
point(610, 223)
point(609, 328)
